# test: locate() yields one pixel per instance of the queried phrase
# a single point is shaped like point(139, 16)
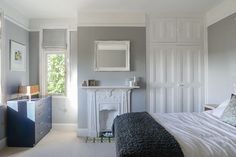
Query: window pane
point(56, 73)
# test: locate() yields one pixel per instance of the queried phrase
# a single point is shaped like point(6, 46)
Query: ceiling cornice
point(14, 16)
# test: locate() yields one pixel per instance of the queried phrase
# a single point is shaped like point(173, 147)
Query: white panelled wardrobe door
point(190, 78)
point(176, 73)
point(189, 30)
point(163, 89)
point(164, 30)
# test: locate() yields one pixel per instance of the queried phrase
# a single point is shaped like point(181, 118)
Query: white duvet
point(200, 134)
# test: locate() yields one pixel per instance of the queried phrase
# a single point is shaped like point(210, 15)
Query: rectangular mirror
point(112, 56)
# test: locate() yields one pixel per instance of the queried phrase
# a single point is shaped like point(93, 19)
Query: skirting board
point(82, 132)
point(64, 126)
point(3, 143)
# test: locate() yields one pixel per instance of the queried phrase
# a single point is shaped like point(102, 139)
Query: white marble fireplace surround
point(104, 104)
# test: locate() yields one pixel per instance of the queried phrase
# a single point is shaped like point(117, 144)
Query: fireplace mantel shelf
point(110, 87)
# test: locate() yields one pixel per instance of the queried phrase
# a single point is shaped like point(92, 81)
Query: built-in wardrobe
point(175, 64)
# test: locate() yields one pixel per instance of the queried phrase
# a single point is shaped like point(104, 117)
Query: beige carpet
point(62, 144)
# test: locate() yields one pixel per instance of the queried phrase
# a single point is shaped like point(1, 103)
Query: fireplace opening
point(106, 118)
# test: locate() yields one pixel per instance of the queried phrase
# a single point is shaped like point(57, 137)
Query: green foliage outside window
point(56, 74)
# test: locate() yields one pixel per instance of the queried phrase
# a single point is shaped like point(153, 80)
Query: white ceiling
point(69, 8)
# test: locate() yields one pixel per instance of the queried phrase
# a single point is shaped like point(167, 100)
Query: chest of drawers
point(28, 121)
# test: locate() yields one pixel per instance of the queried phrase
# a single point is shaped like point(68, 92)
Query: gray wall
point(13, 79)
point(222, 59)
point(86, 38)
point(34, 58)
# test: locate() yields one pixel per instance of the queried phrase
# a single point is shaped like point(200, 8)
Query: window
point(56, 74)
point(54, 62)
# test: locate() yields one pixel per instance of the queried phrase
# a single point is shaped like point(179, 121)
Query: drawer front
point(40, 133)
point(43, 109)
point(42, 104)
point(39, 115)
point(39, 105)
point(41, 129)
point(43, 118)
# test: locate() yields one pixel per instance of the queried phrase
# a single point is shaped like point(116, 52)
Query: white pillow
point(220, 109)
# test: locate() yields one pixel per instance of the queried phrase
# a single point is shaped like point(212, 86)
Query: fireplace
point(104, 104)
point(105, 121)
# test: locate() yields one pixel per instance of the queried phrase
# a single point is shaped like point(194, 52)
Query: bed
point(197, 134)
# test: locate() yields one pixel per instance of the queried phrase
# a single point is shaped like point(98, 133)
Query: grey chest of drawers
point(28, 121)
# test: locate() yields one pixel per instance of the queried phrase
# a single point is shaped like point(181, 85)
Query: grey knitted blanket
point(139, 135)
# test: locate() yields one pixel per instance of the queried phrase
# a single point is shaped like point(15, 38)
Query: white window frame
point(43, 65)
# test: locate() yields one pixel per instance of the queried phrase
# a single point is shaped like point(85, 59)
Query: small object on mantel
point(28, 91)
point(84, 83)
point(132, 81)
point(92, 83)
point(135, 81)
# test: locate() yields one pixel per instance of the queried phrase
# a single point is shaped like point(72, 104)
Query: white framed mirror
point(112, 56)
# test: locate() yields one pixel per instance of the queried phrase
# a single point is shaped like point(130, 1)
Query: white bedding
point(200, 134)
